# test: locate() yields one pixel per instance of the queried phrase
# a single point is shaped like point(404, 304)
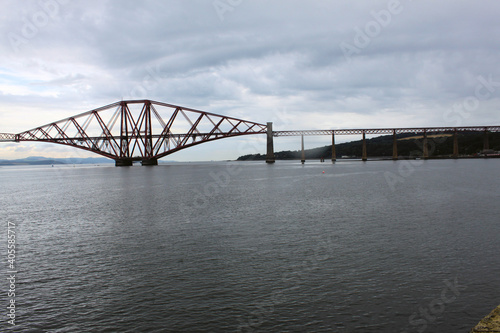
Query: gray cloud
point(263, 57)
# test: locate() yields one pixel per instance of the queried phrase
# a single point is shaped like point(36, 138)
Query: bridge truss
point(145, 130)
point(140, 130)
point(382, 131)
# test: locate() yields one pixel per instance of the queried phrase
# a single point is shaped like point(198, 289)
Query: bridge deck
point(387, 131)
point(148, 130)
point(7, 137)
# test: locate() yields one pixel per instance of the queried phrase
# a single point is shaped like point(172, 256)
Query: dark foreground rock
point(490, 323)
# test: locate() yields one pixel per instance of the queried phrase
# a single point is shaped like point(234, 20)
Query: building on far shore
point(489, 153)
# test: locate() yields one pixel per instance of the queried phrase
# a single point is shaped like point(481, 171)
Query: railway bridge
point(145, 130)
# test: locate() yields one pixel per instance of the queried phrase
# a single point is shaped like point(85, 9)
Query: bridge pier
point(334, 154)
point(364, 156)
point(486, 142)
point(455, 144)
point(270, 144)
point(394, 146)
point(151, 161)
point(425, 153)
point(303, 159)
point(120, 163)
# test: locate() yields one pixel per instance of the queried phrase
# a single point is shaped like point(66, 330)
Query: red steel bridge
point(145, 130)
point(139, 130)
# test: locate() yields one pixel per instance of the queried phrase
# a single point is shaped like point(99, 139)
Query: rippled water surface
point(227, 247)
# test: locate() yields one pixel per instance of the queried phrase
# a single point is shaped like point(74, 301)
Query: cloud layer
point(303, 65)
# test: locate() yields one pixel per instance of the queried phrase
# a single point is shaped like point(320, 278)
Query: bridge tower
point(270, 144)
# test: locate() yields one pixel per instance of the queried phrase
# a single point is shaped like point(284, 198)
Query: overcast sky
point(300, 64)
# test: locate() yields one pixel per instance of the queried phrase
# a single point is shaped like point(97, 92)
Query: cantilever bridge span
point(145, 130)
point(139, 130)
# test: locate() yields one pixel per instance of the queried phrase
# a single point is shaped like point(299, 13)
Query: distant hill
point(409, 145)
point(38, 160)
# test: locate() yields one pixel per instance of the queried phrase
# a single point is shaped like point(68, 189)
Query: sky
point(300, 64)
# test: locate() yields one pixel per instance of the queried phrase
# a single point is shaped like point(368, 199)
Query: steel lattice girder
point(7, 137)
point(144, 129)
point(138, 130)
point(389, 131)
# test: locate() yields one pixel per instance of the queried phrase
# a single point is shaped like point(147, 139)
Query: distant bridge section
point(380, 131)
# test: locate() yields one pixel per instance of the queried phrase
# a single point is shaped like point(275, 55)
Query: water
point(241, 247)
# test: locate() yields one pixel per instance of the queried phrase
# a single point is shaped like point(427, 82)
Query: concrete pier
point(120, 163)
point(334, 154)
point(270, 144)
point(303, 159)
point(486, 142)
point(152, 161)
point(455, 144)
point(425, 146)
point(394, 145)
point(364, 156)
point(490, 323)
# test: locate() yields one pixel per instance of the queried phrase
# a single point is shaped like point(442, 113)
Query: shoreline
point(378, 158)
point(490, 323)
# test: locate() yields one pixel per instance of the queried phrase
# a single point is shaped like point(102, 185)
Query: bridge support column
point(120, 163)
point(455, 144)
point(364, 155)
point(334, 154)
point(270, 144)
point(394, 145)
point(152, 161)
point(486, 142)
point(303, 159)
point(425, 153)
